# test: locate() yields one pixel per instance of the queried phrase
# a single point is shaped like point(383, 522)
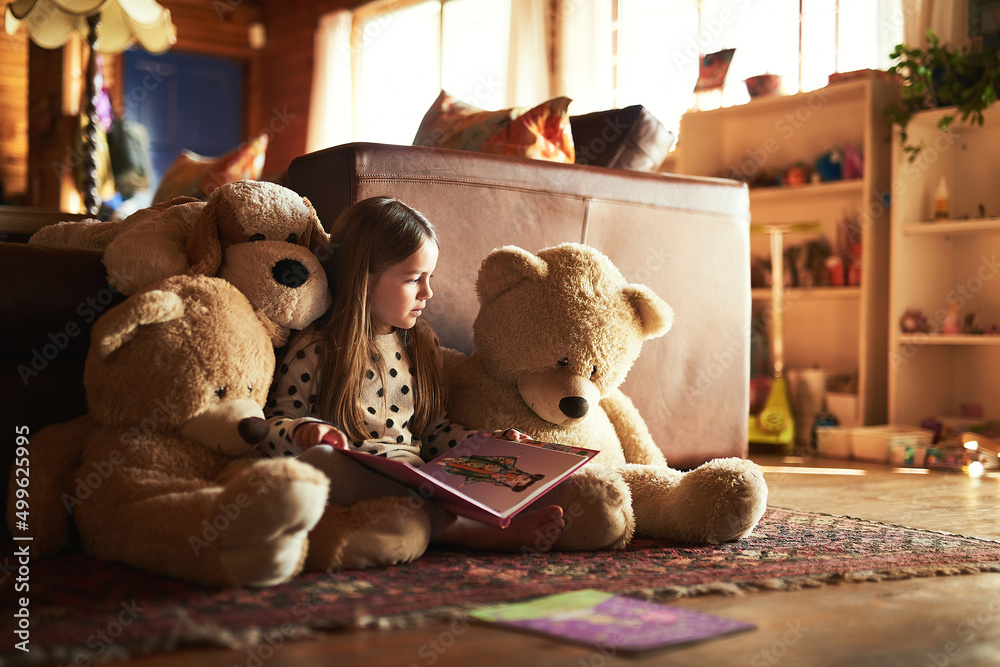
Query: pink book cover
point(486, 477)
point(614, 623)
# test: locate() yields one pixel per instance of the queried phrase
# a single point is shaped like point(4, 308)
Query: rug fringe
point(188, 632)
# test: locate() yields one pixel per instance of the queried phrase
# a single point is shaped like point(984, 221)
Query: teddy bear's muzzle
point(558, 395)
point(231, 427)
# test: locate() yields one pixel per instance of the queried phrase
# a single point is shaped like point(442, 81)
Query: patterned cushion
point(542, 132)
point(194, 175)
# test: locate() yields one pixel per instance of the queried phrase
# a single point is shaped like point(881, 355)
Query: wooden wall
point(288, 71)
point(279, 79)
point(13, 117)
point(217, 28)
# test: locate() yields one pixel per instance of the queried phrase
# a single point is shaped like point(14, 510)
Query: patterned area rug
point(82, 609)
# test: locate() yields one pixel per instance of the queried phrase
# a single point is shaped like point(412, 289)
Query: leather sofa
point(686, 237)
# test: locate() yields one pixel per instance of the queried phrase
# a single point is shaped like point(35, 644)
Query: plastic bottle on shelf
point(942, 202)
point(951, 325)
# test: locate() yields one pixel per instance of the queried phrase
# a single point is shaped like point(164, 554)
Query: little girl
point(373, 368)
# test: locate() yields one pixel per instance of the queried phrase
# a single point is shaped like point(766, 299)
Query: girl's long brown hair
point(366, 239)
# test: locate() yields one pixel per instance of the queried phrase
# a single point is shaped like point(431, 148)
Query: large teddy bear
point(163, 474)
point(260, 236)
point(555, 336)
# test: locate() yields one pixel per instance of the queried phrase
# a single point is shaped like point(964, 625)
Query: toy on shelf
point(951, 323)
point(914, 321)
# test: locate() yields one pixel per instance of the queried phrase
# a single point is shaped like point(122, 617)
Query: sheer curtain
point(330, 112)
point(528, 81)
point(948, 19)
point(584, 54)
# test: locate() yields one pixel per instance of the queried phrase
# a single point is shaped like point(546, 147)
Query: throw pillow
point(541, 132)
point(629, 138)
point(195, 175)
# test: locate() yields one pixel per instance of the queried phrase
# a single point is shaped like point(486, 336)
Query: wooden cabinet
point(843, 329)
point(935, 262)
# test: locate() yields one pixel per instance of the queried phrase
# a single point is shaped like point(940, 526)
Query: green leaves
point(941, 76)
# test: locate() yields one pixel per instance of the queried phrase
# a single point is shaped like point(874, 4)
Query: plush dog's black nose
point(252, 429)
point(574, 406)
point(290, 273)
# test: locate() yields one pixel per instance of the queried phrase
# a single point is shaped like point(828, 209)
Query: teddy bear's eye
point(249, 388)
point(292, 238)
point(564, 361)
point(220, 392)
point(258, 237)
point(593, 372)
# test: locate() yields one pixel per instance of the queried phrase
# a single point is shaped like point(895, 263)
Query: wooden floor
point(934, 621)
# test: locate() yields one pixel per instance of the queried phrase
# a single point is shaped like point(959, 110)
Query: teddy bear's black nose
point(290, 273)
point(574, 406)
point(252, 429)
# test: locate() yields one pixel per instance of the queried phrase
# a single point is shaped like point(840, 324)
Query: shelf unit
point(839, 329)
point(934, 374)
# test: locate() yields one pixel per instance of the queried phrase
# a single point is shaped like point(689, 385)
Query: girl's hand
point(315, 433)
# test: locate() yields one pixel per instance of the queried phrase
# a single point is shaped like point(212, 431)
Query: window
point(404, 52)
point(659, 44)
point(403, 56)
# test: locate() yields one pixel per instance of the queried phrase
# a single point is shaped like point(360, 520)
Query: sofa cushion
point(541, 132)
point(194, 175)
point(630, 138)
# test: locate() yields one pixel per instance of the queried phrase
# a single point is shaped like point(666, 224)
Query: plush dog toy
point(155, 475)
point(262, 237)
point(555, 335)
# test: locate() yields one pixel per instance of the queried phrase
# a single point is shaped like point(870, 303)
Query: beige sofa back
point(686, 238)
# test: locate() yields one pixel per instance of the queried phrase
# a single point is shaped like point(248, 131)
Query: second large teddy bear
point(555, 336)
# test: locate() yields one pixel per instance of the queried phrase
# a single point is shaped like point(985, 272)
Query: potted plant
point(942, 76)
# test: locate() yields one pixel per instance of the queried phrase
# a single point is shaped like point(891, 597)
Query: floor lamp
point(108, 26)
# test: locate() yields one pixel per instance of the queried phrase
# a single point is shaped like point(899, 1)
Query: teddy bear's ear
point(204, 248)
point(317, 239)
point(505, 267)
point(654, 315)
point(119, 326)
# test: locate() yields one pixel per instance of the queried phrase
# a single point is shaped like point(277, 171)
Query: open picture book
point(487, 477)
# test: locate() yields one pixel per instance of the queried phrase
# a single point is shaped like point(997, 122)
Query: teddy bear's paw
point(267, 563)
point(720, 501)
point(597, 509)
point(265, 539)
point(371, 533)
point(744, 498)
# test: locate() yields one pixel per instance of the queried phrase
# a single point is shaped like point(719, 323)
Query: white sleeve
point(292, 400)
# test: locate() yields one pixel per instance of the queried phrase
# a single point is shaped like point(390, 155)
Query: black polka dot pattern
point(386, 401)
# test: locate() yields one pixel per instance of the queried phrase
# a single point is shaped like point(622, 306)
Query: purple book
point(612, 622)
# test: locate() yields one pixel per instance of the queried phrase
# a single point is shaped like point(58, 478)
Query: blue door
point(185, 101)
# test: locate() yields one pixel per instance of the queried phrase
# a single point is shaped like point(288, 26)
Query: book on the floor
point(488, 477)
point(613, 623)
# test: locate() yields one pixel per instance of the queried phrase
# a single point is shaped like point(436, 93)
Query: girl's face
point(398, 295)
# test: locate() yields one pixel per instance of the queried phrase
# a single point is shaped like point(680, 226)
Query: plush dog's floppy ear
point(316, 238)
point(654, 315)
point(119, 325)
point(505, 267)
point(204, 248)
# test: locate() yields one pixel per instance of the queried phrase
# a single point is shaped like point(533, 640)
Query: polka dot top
point(388, 409)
